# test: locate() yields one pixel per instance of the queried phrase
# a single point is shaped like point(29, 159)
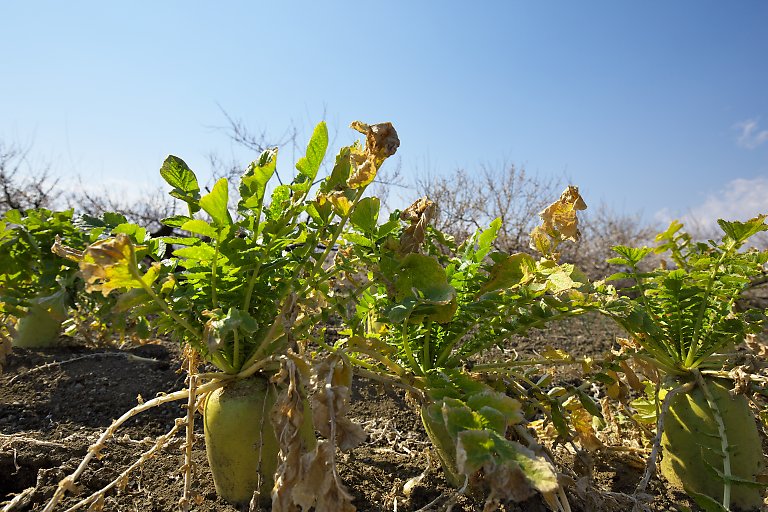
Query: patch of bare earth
point(49, 415)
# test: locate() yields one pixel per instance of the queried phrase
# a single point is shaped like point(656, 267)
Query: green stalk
point(703, 309)
point(427, 340)
point(133, 268)
point(214, 265)
point(445, 353)
point(236, 351)
point(337, 233)
point(407, 347)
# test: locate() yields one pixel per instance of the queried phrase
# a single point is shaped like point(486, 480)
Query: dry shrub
point(468, 201)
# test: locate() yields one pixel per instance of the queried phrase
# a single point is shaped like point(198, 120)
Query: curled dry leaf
point(381, 142)
point(559, 222)
point(310, 479)
point(288, 417)
point(419, 214)
point(332, 382)
point(108, 264)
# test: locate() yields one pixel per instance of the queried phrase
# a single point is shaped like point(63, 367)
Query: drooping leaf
point(515, 270)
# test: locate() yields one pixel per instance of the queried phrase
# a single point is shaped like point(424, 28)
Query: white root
point(650, 467)
point(68, 482)
point(160, 443)
point(190, 431)
point(130, 357)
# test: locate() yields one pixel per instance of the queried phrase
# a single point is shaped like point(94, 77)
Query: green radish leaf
point(365, 216)
point(112, 219)
point(741, 231)
point(630, 255)
point(202, 252)
point(459, 417)
point(558, 419)
point(486, 238)
point(706, 503)
point(14, 216)
point(253, 184)
point(505, 404)
point(358, 239)
point(340, 173)
point(216, 204)
point(184, 182)
point(318, 144)
point(280, 197)
point(200, 227)
point(474, 451)
point(175, 221)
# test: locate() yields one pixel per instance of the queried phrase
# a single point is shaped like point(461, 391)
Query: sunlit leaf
point(309, 164)
point(216, 204)
point(253, 183)
point(184, 182)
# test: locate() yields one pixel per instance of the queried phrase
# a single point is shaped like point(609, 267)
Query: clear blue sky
point(656, 107)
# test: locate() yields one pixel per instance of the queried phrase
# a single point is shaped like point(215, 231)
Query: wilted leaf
point(559, 222)
point(515, 269)
point(419, 214)
point(107, 265)
point(381, 140)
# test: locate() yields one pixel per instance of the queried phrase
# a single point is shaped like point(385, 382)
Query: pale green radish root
point(711, 446)
point(240, 440)
point(41, 326)
point(434, 424)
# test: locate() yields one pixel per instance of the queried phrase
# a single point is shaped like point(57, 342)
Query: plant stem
point(704, 303)
point(407, 348)
point(214, 264)
point(427, 340)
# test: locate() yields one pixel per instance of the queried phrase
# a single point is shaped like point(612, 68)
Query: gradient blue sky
point(653, 107)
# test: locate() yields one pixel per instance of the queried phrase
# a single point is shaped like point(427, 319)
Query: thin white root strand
point(130, 357)
point(190, 434)
point(450, 500)
point(68, 482)
point(19, 500)
point(159, 445)
point(650, 467)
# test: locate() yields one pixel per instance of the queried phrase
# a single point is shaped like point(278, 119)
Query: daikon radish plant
point(37, 288)
point(243, 291)
point(428, 308)
point(685, 317)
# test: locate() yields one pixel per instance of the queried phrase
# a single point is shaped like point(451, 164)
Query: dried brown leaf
point(419, 214)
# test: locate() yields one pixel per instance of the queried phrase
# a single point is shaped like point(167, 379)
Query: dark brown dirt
point(49, 416)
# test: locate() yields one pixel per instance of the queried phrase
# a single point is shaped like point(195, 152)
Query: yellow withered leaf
point(381, 142)
point(107, 265)
point(560, 217)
